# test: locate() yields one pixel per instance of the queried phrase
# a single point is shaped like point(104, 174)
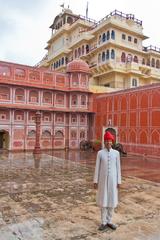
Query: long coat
point(107, 175)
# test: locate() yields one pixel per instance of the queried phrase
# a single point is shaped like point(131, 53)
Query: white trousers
point(106, 215)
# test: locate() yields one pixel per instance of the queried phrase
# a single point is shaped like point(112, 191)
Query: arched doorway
point(4, 139)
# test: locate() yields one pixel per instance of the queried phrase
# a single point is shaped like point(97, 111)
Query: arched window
point(113, 34)
point(79, 52)
point(74, 100)
point(82, 134)
point(62, 60)
point(82, 118)
point(129, 58)
point(19, 94)
point(135, 59)
point(59, 134)
point(60, 99)
point(123, 57)
point(99, 41)
point(103, 37)
point(153, 62)
point(73, 134)
point(107, 54)
point(148, 62)
point(75, 53)
point(108, 35)
point(32, 134)
point(134, 82)
point(73, 118)
point(87, 48)
point(157, 63)
point(83, 50)
point(83, 100)
point(33, 96)
point(46, 134)
point(103, 56)
point(112, 54)
point(69, 20)
point(143, 61)
point(59, 118)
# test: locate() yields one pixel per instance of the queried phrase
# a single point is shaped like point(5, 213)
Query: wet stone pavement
point(51, 196)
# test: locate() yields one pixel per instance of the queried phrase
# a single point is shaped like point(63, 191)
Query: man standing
point(107, 179)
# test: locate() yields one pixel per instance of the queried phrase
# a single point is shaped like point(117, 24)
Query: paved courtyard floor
point(52, 197)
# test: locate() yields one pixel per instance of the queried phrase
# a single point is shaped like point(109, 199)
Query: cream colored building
point(113, 48)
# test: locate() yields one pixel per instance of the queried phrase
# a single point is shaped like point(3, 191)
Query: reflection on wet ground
point(50, 196)
point(138, 166)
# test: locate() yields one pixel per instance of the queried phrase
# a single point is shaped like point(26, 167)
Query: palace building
point(113, 48)
point(63, 99)
point(96, 75)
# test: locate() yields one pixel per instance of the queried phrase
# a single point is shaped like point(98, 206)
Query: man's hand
point(95, 185)
point(118, 185)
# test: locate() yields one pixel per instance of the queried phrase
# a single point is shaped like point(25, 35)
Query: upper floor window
point(135, 59)
point(123, 36)
point(153, 62)
point(129, 38)
point(87, 48)
point(103, 56)
point(135, 40)
point(143, 61)
point(83, 100)
point(157, 63)
point(62, 60)
point(123, 57)
point(83, 50)
point(134, 82)
point(112, 54)
point(74, 100)
point(113, 34)
point(108, 35)
point(148, 62)
point(60, 99)
point(103, 37)
point(73, 118)
point(79, 52)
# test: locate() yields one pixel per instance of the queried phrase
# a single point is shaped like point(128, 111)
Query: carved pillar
point(37, 148)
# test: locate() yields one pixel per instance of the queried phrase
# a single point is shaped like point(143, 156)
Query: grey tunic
point(107, 175)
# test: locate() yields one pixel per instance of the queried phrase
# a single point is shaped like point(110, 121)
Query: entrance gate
point(4, 139)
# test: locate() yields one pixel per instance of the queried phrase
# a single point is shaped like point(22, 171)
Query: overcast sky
point(24, 24)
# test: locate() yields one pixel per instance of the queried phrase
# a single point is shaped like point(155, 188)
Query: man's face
point(108, 143)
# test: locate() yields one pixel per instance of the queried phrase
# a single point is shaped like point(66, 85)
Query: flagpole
point(87, 10)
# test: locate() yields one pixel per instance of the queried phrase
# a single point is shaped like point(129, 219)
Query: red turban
point(108, 136)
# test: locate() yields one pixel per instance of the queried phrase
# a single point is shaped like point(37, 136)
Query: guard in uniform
point(107, 179)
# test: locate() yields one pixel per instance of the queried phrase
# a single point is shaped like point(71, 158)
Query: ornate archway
point(4, 139)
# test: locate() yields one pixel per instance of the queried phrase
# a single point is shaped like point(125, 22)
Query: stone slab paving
point(48, 197)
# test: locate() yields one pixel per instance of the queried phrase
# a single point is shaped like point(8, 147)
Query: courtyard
point(51, 196)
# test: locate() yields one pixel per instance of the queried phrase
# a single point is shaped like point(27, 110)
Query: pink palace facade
point(63, 99)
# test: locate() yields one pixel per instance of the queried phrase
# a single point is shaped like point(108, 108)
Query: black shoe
point(112, 226)
point(102, 227)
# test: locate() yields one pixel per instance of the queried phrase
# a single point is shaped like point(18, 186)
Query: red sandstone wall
point(65, 103)
point(135, 114)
